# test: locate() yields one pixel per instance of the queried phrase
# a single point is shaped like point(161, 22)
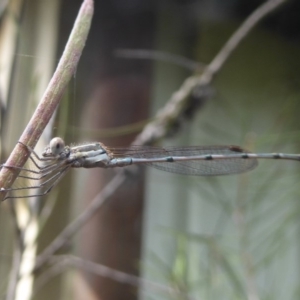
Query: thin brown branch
point(160, 56)
point(67, 261)
point(176, 104)
point(261, 12)
point(85, 216)
point(51, 98)
point(158, 128)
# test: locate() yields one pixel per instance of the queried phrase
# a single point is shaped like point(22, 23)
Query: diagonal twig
point(63, 262)
point(85, 216)
point(176, 104)
point(51, 98)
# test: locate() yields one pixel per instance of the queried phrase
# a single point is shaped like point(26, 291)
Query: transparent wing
point(209, 167)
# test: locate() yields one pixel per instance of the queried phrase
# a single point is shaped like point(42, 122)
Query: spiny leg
point(42, 184)
point(41, 159)
point(58, 159)
point(56, 178)
point(48, 169)
point(43, 171)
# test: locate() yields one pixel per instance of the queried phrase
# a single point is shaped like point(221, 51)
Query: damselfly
point(57, 159)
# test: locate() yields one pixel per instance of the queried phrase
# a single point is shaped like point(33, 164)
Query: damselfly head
point(55, 148)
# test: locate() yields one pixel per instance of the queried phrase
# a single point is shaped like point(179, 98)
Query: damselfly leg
point(46, 174)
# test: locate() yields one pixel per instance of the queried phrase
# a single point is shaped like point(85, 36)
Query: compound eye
point(57, 145)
